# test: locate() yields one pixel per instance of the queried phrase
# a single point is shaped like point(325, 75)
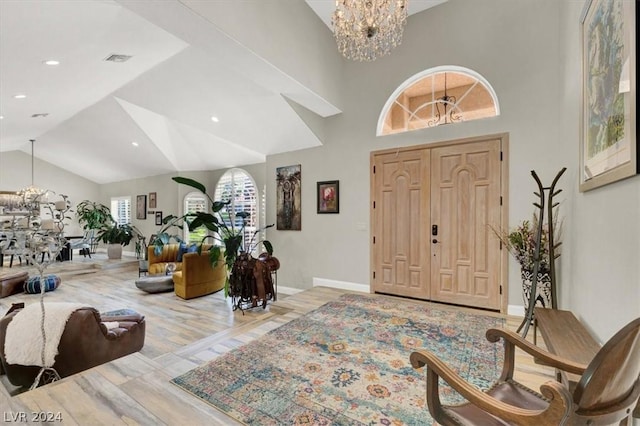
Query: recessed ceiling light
point(135, 144)
point(20, 96)
point(52, 62)
point(215, 119)
point(1, 117)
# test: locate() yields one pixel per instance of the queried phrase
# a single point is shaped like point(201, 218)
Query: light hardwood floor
point(181, 334)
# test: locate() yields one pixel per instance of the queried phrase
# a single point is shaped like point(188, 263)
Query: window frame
point(114, 208)
point(426, 74)
point(251, 227)
point(186, 234)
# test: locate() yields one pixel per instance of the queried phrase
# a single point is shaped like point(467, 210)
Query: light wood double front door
point(432, 208)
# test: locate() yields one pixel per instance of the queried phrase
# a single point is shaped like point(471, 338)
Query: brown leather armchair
point(85, 343)
point(197, 277)
point(12, 282)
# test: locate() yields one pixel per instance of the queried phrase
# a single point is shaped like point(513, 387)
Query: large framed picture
point(608, 146)
point(141, 207)
point(328, 196)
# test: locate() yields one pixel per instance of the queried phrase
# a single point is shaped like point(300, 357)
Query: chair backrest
point(88, 236)
point(611, 382)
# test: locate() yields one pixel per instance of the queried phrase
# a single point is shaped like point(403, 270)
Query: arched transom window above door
point(440, 95)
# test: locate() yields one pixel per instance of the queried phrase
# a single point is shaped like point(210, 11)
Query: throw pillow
point(193, 248)
point(181, 250)
point(32, 286)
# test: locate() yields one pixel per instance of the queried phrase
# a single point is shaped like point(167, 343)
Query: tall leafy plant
point(92, 215)
point(226, 234)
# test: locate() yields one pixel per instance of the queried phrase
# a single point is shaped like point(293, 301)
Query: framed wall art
point(288, 198)
point(152, 200)
point(141, 207)
point(159, 218)
point(608, 145)
point(328, 196)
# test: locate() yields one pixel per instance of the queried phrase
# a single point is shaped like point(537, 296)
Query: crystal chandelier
point(30, 193)
point(367, 29)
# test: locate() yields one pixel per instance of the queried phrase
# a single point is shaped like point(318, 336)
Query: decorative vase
point(114, 251)
point(543, 288)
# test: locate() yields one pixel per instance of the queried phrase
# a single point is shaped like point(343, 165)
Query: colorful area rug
point(347, 363)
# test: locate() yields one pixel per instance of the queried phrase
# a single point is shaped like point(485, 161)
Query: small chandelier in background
point(367, 29)
point(30, 193)
point(444, 117)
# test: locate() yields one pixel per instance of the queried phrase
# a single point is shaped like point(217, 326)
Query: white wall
point(288, 34)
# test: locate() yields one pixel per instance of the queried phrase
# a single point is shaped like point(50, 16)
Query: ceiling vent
point(40, 115)
point(117, 58)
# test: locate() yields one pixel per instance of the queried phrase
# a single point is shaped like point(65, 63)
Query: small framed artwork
point(608, 144)
point(152, 200)
point(159, 218)
point(141, 207)
point(328, 195)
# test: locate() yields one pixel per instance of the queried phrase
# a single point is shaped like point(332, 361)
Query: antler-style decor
point(552, 246)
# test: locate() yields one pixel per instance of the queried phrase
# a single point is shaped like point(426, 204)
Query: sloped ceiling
point(183, 70)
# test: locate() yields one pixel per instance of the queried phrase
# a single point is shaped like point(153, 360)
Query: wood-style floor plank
point(181, 335)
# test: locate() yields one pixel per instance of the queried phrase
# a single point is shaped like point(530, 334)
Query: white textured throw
point(23, 341)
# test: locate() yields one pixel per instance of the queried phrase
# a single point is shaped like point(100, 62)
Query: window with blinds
point(121, 210)
point(195, 202)
point(238, 187)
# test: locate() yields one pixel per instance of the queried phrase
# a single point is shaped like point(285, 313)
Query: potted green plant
point(92, 215)
point(225, 233)
point(116, 236)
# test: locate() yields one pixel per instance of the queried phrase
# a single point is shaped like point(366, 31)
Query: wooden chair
point(607, 392)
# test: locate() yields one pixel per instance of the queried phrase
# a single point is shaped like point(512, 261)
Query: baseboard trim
point(343, 285)
point(515, 310)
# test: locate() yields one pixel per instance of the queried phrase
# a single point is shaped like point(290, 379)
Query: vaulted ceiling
point(86, 113)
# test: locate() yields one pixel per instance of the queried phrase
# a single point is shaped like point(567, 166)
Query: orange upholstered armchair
point(197, 277)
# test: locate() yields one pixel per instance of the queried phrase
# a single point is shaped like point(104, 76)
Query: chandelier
point(440, 114)
point(367, 29)
point(30, 193)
